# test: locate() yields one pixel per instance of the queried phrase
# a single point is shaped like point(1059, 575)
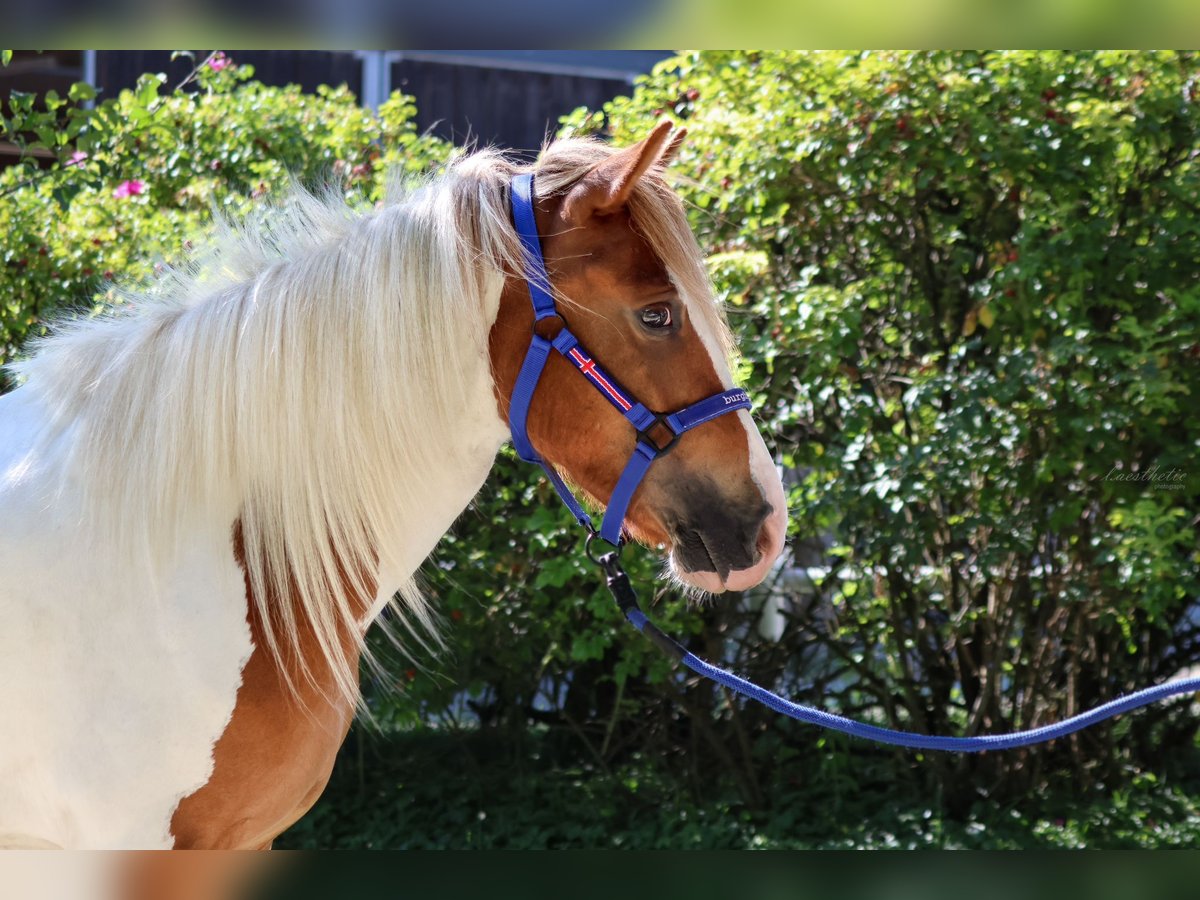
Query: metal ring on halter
point(548, 326)
point(608, 561)
point(594, 535)
point(660, 421)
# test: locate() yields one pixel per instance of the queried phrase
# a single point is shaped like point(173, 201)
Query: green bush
point(968, 290)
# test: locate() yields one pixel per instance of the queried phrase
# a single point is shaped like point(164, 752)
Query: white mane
point(302, 371)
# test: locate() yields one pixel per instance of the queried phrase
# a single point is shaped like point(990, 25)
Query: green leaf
point(82, 91)
point(64, 193)
point(147, 88)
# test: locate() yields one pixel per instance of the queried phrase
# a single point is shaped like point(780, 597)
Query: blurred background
point(966, 287)
point(765, 24)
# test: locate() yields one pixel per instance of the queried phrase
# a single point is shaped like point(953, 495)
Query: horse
point(208, 494)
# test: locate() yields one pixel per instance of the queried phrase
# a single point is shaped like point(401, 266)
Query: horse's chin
point(737, 580)
point(708, 582)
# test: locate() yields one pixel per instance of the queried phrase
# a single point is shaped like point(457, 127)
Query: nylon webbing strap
point(568, 498)
point(879, 734)
point(540, 291)
point(709, 409)
point(522, 397)
point(635, 470)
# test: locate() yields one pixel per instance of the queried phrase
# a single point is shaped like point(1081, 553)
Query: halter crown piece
point(647, 448)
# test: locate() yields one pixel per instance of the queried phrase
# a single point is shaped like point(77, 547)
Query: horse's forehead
point(609, 248)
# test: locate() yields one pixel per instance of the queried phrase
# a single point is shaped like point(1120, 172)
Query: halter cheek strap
point(647, 448)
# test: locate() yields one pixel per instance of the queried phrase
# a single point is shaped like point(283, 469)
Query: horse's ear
point(607, 187)
point(673, 148)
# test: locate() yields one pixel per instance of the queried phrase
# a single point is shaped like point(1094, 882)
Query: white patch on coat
point(116, 680)
point(122, 678)
point(31, 874)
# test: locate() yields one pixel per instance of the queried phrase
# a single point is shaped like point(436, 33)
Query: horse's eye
point(657, 316)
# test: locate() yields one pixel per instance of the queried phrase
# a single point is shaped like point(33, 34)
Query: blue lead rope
point(618, 583)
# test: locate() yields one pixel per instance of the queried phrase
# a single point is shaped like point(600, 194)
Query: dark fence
point(498, 102)
point(117, 69)
point(512, 101)
point(507, 107)
point(35, 72)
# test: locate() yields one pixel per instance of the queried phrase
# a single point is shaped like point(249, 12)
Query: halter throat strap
point(656, 433)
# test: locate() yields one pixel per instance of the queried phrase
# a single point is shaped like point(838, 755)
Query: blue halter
point(648, 448)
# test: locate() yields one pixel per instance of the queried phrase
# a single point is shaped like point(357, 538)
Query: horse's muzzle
point(721, 544)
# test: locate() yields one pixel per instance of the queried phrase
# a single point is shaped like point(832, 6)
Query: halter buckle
point(660, 422)
point(548, 326)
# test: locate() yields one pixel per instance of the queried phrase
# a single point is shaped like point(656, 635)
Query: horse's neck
point(440, 492)
point(292, 727)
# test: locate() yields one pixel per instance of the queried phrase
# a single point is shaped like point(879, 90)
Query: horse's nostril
point(765, 540)
point(764, 537)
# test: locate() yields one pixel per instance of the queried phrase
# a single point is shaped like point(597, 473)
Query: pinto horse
point(207, 496)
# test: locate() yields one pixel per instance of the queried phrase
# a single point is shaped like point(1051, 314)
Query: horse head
point(629, 281)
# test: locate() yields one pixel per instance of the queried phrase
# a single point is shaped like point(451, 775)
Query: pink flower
point(130, 188)
point(77, 158)
point(219, 61)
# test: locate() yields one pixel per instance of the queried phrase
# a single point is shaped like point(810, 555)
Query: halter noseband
point(647, 448)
